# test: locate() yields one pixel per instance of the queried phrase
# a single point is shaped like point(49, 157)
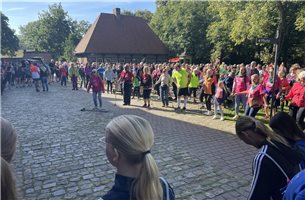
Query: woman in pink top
point(256, 96)
point(240, 84)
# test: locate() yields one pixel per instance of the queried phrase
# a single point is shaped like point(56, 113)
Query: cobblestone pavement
point(59, 155)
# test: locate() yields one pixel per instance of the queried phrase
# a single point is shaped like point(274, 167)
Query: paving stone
point(59, 155)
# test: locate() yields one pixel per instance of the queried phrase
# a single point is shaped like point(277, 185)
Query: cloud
point(14, 9)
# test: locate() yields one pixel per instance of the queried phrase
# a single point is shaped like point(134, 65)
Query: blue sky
point(22, 12)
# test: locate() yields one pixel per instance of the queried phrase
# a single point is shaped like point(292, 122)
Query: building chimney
point(117, 13)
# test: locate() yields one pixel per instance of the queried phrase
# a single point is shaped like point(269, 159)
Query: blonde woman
point(129, 140)
point(275, 163)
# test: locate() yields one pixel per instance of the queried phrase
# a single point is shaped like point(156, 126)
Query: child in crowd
point(219, 98)
point(97, 85)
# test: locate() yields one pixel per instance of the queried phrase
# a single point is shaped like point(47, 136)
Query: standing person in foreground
point(275, 163)
point(126, 78)
point(182, 79)
point(98, 87)
point(129, 140)
point(73, 73)
point(240, 84)
point(146, 82)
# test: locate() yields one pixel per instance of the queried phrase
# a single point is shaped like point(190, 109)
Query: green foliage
point(9, 41)
point(51, 32)
point(145, 14)
point(182, 26)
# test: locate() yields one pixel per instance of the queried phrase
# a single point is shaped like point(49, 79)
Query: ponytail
point(147, 185)
point(8, 188)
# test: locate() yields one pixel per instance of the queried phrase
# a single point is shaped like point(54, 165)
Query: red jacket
point(297, 93)
point(96, 83)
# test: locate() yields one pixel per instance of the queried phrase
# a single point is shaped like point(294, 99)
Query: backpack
point(296, 188)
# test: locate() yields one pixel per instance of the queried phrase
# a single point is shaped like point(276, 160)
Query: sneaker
point(144, 106)
point(235, 117)
point(178, 108)
point(222, 119)
point(148, 106)
point(163, 105)
point(202, 107)
point(215, 117)
point(184, 108)
point(209, 113)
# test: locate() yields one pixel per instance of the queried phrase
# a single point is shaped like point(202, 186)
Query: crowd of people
point(252, 87)
point(129, 138)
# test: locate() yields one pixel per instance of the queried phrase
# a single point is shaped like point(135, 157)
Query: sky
point(22, 12)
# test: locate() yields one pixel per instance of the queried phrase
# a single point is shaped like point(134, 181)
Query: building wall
point(45, 55)
point(116, 58)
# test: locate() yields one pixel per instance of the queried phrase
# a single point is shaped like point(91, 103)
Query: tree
point(145, 14)
point(78, 30)
point(182, 26)
point(9, 41)
point(242, 26)
point(49, 32)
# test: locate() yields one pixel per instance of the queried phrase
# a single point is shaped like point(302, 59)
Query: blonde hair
point(301, 75)
point(8, 187)
point(8, 140)
point(146, 69)
point(133, 137)
point(249, 123)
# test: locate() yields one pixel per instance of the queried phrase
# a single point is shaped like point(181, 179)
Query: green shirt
point(181, 78)
point(136, 82)
point(194, 81)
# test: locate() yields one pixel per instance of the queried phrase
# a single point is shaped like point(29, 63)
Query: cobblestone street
point(60, 155)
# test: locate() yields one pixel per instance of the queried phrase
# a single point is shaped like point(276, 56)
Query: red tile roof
point(120, 35)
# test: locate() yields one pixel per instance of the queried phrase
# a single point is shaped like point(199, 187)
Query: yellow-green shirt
point(194, 81)
point(181, 78)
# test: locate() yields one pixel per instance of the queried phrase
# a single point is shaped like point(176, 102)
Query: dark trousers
point(87, 80)
point(109, 86)
point(74, 82)
point(208, 98)
point(127, 92)
point(82, 81)
point(201, 95)
point(298, 114)
point(175, 90)
point(157, 88)
point(136, 91)
point(193, 90)
point(63, 81)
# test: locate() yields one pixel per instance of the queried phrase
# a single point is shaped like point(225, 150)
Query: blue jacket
point(122, 186)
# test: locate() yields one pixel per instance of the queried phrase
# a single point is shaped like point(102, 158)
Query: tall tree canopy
point(182, 26)
point(52, 31)
point(145, 14)
point(9, 41)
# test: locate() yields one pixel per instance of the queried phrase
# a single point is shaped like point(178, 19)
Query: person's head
point(146, 69)
point(301, 77)
point(221, 84)
point(253, 65)
point(129, 140)
point(255, 133)
point(209, 72)
point(255, 79)
point(242, 71)
point(284, 125)
point(94, 72)
point(8, 140)
point(126, 67)
point(177, 67)
point(8, 187)
point(282, 74)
